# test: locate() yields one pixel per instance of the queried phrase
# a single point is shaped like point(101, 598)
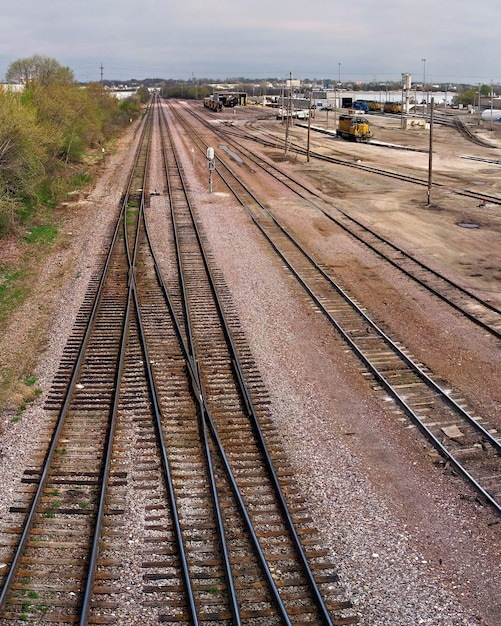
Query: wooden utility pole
point(309, 125)
point(288, 114)
point(430, 155)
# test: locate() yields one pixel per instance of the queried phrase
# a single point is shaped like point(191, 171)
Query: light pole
point(430, 157)
point(424, 81)
point(339, 73)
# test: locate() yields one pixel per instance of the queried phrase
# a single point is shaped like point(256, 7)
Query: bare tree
point(40, 69)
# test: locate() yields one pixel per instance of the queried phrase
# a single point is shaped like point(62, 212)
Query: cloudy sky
point(359, 40)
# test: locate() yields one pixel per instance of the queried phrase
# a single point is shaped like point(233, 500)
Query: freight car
point(354, 128)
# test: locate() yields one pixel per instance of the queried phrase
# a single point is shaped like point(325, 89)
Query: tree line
point(49, 131)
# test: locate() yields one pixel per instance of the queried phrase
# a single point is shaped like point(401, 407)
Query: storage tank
point(491, 114)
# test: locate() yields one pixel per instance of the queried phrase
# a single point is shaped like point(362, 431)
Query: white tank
point(491, 114)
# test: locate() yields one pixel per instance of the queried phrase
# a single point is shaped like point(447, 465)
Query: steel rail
point(166, 466)
point(69, 394)
point(429, 381)
point(262, 442)
point(422, 281)
point(200, 391)
point(496, 444)
point(131, 251)
point(271, 166)
point(190, 358)
point(480, 429)
point(420, 265)
point(299, 149)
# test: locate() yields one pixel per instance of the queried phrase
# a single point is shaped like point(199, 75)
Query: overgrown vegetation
point(52, 131)
point(47, 132)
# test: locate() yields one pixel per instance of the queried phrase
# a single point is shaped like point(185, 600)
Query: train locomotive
point(228, 100)
point(392, 107)
point(354, 128)
point(214, 104)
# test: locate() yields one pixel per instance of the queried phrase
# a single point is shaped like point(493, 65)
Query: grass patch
point(11, 290)
point(81, 179)
point(17, 283)
point(41, 234)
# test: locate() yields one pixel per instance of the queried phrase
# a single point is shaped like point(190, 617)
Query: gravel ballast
point(412, 544)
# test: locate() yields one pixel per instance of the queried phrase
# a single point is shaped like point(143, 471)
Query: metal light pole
point(424, 78)
point(339, 73)
point(289, 113)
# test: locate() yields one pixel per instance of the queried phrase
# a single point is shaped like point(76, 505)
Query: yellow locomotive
point(354, 128)
point(392, 107)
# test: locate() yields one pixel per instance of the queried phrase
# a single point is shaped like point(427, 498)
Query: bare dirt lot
point(413, 544)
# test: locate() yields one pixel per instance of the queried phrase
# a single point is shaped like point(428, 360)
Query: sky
point(363, 40)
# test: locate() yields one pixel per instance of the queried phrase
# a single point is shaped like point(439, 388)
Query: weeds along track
point(57, 526)
point(464, 440)
point(158, 499)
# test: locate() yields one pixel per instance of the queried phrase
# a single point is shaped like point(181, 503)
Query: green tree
point(45, 132)
point(143, 94)
point(23, 155)
point(466, 97)
point(70, 116)
point(41, 69)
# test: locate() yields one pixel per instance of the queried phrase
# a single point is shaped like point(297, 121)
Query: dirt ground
point(454, 350)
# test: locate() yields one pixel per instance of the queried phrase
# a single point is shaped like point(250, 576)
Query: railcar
point(392, 107)
point(212, 103)
point(360, 105)
point(217, 101)
point(354, 128)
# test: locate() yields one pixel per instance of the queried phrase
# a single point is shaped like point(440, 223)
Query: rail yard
point(271, 384)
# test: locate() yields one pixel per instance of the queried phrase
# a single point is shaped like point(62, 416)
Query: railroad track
point(464, 440)
point(463, 130)
point(478, 310)
point(272, 570)
point(52, 551)
point(271, 140)
point(159, 488)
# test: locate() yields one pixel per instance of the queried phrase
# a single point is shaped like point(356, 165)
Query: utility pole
point(309, 132)
point(430, 154)
point(424, 83)
point(288, 114)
